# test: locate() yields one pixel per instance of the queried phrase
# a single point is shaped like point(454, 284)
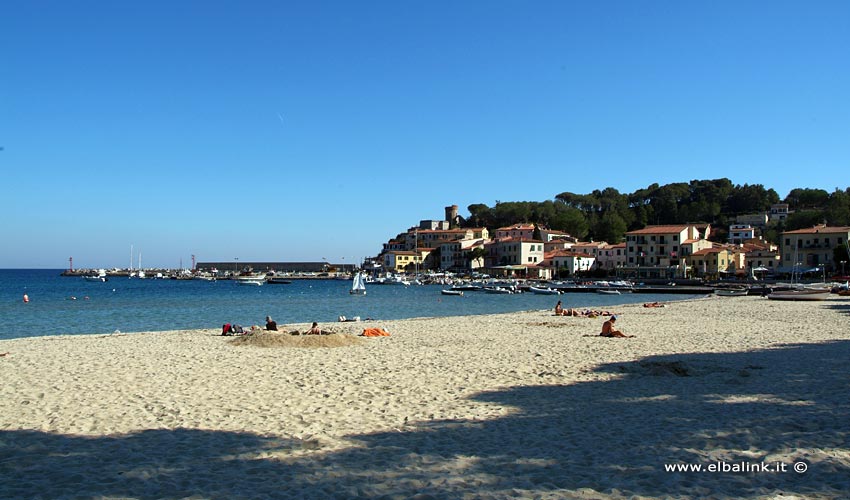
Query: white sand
point(503, 406)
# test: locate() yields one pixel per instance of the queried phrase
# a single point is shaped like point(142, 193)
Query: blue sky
point(306, 130)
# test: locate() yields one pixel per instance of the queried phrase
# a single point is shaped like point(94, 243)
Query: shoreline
point(494, 406)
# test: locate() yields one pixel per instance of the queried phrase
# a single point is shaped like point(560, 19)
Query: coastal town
point(660, 251)
point(534, 252)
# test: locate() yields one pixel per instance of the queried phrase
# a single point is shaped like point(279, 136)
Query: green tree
point(805, 198)
point(837, 211)
point(611, 228)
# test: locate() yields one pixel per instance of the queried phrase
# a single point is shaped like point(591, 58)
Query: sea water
point(61, 305)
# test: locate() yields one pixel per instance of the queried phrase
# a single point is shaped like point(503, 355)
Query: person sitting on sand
point(609, 331)
point(559, 309)
point(314, 330)
point(271, 325)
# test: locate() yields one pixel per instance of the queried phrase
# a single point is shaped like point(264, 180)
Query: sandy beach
point(522, 405)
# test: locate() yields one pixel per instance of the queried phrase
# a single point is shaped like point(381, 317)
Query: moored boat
point(606, 291)
point(544, 291)
point(452, 292)
point(799, 294)
point(731, 292)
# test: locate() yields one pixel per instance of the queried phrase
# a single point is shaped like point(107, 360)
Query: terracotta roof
point(707, 251)
point(820, 229)
point(660, 229)
point(592, 244)
point(518, 240)
point(565, 253)
point(420, 231)
point(516, 227)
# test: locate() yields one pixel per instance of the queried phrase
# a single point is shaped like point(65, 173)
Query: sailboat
point(358, 285)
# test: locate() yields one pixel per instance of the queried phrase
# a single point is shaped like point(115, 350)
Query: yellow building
point(401, 261)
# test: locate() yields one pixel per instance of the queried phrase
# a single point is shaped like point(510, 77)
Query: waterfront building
point(761, 256)
point(663, 251)
point(401, 261)
point(511, 251)
point(812, 248)
point(712, 262)
point(569, 262)
point(611, 257)
point(454, 255)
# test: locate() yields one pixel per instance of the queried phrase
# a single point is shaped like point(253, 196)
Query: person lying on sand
point(653, 304)
point(609, 331)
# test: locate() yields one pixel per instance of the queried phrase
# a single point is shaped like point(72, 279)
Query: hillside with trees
point(607, 215)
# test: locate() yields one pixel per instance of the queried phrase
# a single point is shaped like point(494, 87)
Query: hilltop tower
point(451, 215)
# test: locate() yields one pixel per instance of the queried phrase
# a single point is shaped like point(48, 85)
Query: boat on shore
point(800, 294)
point(731, 292)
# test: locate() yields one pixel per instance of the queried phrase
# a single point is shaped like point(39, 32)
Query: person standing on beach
point(609, 331)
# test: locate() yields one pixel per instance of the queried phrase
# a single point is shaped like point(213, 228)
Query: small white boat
point(799, 294)
point(358, 285)
point(731, 292)
point(544, 291)
point(251, 280)
point(608, 292)
point(100, 276)
point(498, 289)
point(452, 292)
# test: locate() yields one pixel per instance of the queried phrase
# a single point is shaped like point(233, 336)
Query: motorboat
point(731, 292)
point(498, 289)
point(100, 276)
point(544, 291)
point(452, 292)
point(250, 280)
point(607, 291)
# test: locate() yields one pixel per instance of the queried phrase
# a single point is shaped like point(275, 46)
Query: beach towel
point(374, 332)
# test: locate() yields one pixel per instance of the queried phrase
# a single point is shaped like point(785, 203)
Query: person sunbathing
point(559, 310)
point(271, 325)
point(314, 330)
point(609, 331)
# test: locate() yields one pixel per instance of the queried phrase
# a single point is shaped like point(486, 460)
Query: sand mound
point(265, 339)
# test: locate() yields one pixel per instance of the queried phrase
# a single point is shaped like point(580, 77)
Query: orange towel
point(375, 332)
